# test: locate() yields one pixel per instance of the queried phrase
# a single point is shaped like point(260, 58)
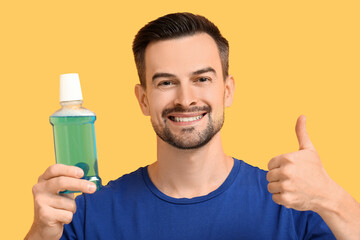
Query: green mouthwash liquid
point(74, 138)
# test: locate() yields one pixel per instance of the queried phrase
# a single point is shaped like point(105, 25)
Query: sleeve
point(310, 226)
point(75, 229)
point(318, 229)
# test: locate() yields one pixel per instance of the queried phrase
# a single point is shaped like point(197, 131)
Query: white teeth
point(189, 119)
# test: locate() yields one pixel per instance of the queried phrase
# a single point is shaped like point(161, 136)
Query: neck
point(191, 173)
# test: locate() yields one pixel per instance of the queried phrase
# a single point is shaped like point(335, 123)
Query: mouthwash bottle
point(74, 132)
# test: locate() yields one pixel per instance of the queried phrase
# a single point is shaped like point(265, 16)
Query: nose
point(185, 96)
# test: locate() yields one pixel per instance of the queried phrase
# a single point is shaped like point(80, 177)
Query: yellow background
point(288, 58)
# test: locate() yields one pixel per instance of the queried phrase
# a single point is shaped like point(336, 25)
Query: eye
point(203, 79)
point(165, 83)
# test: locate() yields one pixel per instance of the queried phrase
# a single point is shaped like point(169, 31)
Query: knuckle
point(55, 184)
point(48, 184)
point(68, 170)
point(270, 162)
point(61, 181)
point(285, 158)
point(55, 169)
point(68, 217)
point(289, 157)
point(289, 187)
point(276, 198)
point(68, 204)
point(38, 189)
point(272, 187)
point(51, 170)
point(40, 178)
point(286, 200)
point(35, 189)
point(73, 207)
point(44, 215)
point(281, 199)
point(285, 172)
point(62, 201)
point(284, 186)
point(83, 185)
point(268, 176)
point(38, 201)
point(286, 205)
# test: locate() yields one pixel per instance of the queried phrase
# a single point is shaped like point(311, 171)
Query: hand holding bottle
point(51, 210)
point(75, 152)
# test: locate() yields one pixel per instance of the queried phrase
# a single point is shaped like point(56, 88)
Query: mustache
point(180, 109)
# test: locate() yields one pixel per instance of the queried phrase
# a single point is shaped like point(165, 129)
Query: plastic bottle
point(74, 132)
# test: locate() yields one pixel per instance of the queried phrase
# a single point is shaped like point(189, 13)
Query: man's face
point(185, 91)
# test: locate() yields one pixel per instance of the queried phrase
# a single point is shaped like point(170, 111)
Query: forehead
point(183, 55)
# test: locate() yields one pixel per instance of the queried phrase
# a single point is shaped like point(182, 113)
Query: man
point(194, 190)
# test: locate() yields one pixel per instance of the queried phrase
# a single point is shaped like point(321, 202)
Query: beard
point(189, 137)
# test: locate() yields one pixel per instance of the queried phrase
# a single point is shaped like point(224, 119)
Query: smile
point(186, 119)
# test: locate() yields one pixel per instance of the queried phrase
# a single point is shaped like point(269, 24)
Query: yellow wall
point(288, 58)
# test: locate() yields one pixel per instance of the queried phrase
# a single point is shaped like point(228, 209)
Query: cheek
point(215, 99)
point(217, 105)
point(157, 104)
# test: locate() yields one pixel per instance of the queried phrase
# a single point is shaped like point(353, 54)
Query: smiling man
point(194, 190)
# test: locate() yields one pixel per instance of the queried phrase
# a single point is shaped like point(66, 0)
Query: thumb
point(302, 135)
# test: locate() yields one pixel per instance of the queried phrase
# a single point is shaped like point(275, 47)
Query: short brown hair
point(172, 26)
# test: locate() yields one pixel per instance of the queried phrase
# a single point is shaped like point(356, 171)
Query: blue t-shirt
point(131, 207)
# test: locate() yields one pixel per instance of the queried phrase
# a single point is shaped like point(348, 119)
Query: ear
point(229, 91)
point(141, 96)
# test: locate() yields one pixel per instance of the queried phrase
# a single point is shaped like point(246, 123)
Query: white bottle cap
point(70, 89)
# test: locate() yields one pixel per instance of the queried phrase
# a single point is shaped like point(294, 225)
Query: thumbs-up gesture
point(298, 180)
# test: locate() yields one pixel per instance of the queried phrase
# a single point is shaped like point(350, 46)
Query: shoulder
point(251, 174)
point(126, 181)
point(248, 167)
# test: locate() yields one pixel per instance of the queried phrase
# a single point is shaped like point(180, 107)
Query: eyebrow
point(204, 70)
point(197, 72)
point(164, 75)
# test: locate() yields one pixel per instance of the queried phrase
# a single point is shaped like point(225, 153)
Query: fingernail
point(79, 173)
point(92, 187)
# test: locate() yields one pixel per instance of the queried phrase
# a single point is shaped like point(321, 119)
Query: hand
point(52, 210)
point(298, 180)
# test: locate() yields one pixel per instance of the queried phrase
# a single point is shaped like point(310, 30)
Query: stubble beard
point(189, 137)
